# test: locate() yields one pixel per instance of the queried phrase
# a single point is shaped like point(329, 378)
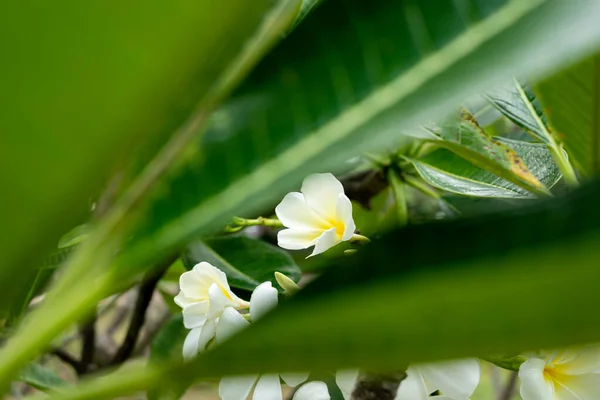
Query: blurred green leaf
point(445, 170)
point(78, 98)
point(462, 135)
point(571, 100)
point(168, 345)
point(246, 262)
point(41, 378)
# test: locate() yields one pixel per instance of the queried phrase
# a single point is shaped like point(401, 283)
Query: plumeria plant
point(300, 199)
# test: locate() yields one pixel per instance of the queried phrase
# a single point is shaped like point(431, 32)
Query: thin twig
point(509, 389)
point(88, 345)
point(138, 317)
point(67, 358)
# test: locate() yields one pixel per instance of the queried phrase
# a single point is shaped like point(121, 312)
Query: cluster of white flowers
point(321, 216)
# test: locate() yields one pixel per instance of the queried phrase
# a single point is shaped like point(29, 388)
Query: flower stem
point(421, 186)
point(239, 223)
point(397, 187)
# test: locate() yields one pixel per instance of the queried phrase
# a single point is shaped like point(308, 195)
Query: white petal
point(295, 213)
point(236, 387)
point(292, 239)
point(294, 379)
point(194, 315)
point(230, 323)
point(263, 300)
point(321, 192)
point(195, 283)
point(457, 379)
point(344, 214)
point(208, 332)
point(577, 387)
point(190, 345)
point(268, 388)
point(412, 387)
point(312, 391)
point(583, 361)
point(346, 380)
point(218, 301)
point(533, 384)
point(326, 241)
point(181, 300)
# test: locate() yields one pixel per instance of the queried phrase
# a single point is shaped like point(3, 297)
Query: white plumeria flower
point(570, 374)
point(320, 216)
point(266, 387)
point(204, 295)
point(457, 380)
point(315, 390)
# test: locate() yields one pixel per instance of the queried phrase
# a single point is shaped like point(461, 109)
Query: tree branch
point(67, 358)
point(377, 386)
point(138, 317)
point(510, 387)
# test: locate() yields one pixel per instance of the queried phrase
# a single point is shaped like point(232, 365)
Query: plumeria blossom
point(570, 374)
point(320, 216)
point(204, 295)
point(457, 380)
point(267, 386)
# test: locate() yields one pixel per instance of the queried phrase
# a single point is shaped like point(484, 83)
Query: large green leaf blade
point(571, 100)
point(77, 97)
point(307, 111)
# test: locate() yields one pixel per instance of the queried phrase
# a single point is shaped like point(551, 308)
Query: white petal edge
point(293, 379)
point(346, 380)
point(533, 384)
point(295, 213)
point(230, 323)
point(190, 344)
point(457, 379)
point(315, 390)
point(208, 332)
point(586, 360)
point(324, 242)
point(412, 387)
point(321, 192)
point(291, 239)
point(236, 387)
point(262, 300)
point(344, 214)
point(268, 388)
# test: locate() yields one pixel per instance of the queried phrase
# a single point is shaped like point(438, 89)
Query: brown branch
point(138, 318)
point(67, 358)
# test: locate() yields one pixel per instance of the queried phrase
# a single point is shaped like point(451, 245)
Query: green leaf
point(41, 378)
point(246, 262)
point(445, 170)
point(78, 98)
point(571, 100)
point(519, 103)
point(167, 346)
point(310, 110)
point(462, 135)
